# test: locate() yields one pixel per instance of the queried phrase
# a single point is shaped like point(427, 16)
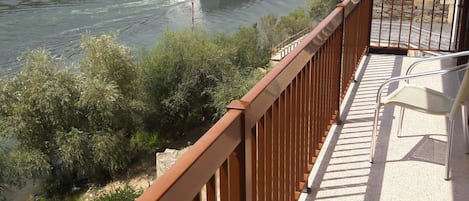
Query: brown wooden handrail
point(263, 94)
point(205, 157)
point(264, 147)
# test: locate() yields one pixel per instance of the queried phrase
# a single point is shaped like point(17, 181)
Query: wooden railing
point(357, 29)
point(264, 147)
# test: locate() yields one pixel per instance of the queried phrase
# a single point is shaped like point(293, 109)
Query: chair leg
point(449, 147)
point(374, 133)
point(464, 126)
point(401, 119)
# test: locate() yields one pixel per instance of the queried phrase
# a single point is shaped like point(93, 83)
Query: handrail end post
point(238, 105)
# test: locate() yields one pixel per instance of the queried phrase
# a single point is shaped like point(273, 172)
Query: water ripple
point(138, 23)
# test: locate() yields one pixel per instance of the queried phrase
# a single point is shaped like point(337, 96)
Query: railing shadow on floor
point(355, 177)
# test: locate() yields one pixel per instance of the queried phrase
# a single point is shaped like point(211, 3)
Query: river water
point(57, 25)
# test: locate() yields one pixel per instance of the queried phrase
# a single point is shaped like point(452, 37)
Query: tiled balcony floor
point(407, 168)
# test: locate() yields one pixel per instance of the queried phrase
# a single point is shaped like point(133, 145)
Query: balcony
point(410, 167)
point(303, 132)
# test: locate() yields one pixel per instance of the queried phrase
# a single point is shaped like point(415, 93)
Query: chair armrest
point(419, 75)
point(441, 57)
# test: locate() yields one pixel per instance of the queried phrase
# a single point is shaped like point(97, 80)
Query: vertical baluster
point(236, 173)
point(390, 23)
point(421, 24)
point(261, 160)
point(254, 164)
point(431, 26)
point(400, 24)
point(211, 189)
point(288, 142)
point(442, 24)
point(275, 150)
point(268, 154)
point(381, 24)
point(282, 148)
point(224, 186)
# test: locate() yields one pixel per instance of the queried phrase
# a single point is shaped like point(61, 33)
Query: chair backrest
point(463, 93)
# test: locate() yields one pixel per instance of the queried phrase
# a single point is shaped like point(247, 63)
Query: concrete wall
point(166, 159)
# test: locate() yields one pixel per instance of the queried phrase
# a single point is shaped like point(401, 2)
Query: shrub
point(175, 76)
point(110, 151)
point(126, 193)
point(145, 142)
point(66, 124)
point(318, 9)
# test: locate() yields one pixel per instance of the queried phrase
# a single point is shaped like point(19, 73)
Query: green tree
point(109, 85)
point(268, 32)
point(318, 9)
point(109, 101)
point(73, 151)
point(6, 177)
point(39, 102)
point(293, 23)
point(250, 51)
point(250, 54)
point(104, 58)
point(176, 76)
point(273, 30)
point(233, 85)
point(110, 151)
point(70, 125)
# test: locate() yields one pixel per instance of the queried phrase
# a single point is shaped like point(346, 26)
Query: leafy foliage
point(104, 58)
point(146, 142)
point(73, 150)
point(100, 99)
point(293, 23)
point(67, 124)
point(274, 30)
point(268, 32)
point(6, 169)
point(179, 76)
point(109, 85)
point(38, 101)
point(233, 85)
point(247, 48)
point(30, 163)
point(318, 9)
point(110, 151)
point(176, 73)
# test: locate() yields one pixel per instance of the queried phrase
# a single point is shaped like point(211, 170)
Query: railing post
point(370, 20)
point(463, 27)
point(341, 63)
point(245, 154)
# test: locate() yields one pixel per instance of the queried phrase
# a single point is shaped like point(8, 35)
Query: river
point(57, 25)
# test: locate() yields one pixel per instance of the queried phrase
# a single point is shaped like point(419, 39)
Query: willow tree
point(66, 124)
point(175, 76)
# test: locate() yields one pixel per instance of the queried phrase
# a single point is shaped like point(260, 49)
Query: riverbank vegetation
point(86, 123)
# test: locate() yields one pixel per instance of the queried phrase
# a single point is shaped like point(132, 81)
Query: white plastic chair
point(426, 100)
